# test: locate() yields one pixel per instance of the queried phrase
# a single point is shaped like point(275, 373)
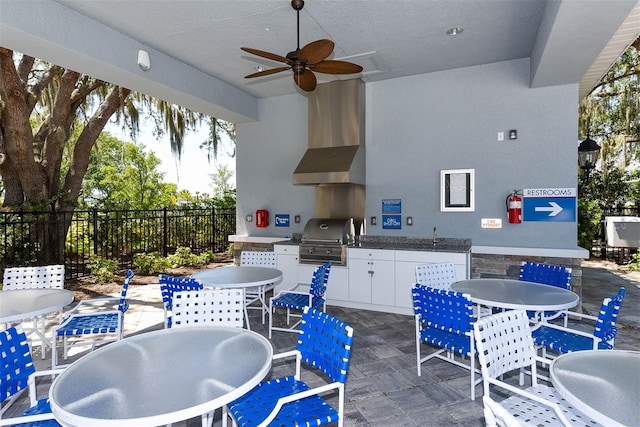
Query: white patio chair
point(39, 277)
point(206, 307)
point(220, 307)
point(504, 344)
point(436, 275)
point(258, 293)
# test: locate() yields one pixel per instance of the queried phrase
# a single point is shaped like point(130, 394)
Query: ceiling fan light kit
point(303, 62)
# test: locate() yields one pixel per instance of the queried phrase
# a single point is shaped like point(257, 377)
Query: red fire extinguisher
point(262, 218)
point(514, 207)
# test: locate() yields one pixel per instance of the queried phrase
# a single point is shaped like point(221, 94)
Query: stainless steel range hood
point(336, 136)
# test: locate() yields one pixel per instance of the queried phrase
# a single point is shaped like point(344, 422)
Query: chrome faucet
point(435, 236)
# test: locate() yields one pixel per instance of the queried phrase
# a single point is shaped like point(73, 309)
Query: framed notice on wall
point(457, 190)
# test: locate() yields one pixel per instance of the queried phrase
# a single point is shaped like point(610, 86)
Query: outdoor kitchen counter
point(404, 244)
point(412, 244)
point(393, 259)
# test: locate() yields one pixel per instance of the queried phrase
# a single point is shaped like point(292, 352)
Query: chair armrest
point(284, 292)
point(299, 285)
point(580, 315)
point(297, 396)
point(562, 328)
point(26, 419)
point(284, 354)
point(87, 302)
point(535, 398)
point(33, 397)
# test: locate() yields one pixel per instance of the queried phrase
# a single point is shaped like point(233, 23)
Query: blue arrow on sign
point(557, 209)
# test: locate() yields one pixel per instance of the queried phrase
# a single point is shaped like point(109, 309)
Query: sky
point(193, 170)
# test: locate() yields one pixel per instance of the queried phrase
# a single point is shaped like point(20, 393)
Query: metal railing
point(35, 238)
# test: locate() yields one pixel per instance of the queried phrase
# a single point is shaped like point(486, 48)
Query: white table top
point(604, 384)
point(160, 377)
point(517, 294)
point(23, 304)
point(238, 277)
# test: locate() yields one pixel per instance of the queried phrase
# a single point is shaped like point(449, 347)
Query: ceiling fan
point(305, 61)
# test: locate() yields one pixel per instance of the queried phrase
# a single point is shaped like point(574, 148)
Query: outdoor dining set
point(207, 357)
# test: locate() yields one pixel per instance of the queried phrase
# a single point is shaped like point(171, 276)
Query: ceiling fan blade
point(336, 67)
point(316, 51)
point(268, 55)
point(267, 72)
point(306, 81)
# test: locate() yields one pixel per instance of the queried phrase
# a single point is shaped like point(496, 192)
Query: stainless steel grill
point(326, 239)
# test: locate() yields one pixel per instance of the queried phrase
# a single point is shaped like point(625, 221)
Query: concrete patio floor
point(383, 388)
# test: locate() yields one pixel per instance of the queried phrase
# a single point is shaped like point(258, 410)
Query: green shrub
point(589, 214)
point(634, 264)
point(183, 257)
point(102, 270)
point(147, 264)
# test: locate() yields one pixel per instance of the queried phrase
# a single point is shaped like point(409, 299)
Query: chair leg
point(270, 318)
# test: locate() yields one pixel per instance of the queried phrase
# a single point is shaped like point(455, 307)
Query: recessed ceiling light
point(454, 31)
point(259, 68)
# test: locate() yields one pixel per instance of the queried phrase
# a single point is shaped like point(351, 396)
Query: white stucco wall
point(415, 127)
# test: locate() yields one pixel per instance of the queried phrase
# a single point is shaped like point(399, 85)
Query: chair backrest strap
point(324, 342)
point(171, 284)
point(15, 362)
point(319, 284)
point(123, 305)
point(547, 274)
point(436, 275)
point(442, 309)
point(46, 276)
point(606, 328)
point(258, 259)
point(504, 342)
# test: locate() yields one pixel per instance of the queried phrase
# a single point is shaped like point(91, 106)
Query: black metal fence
point(28, 238)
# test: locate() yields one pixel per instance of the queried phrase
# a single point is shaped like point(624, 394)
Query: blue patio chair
point(562, 339)
point(546, 274)
point(297, 300)
point(171, 284)
point(505, 345)
point(17, 373)
point(324, 344)
point(91, 322)
point(444, 319)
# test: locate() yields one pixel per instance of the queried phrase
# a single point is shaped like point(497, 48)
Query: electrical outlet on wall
point(500, 136)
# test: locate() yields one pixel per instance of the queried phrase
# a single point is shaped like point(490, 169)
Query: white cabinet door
point(359, 280)
point(338, 284)
point(371, 276)
point(287, 263)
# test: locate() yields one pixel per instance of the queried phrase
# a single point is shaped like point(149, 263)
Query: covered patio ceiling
point(196, 61)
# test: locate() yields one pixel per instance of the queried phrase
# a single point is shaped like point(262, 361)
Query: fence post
point(164, 232)
point(94, 216)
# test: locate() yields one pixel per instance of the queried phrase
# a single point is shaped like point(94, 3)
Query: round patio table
point(160, 377)
point(238, 277)
point(517, 294)
point(604, 384)
point(23, 304)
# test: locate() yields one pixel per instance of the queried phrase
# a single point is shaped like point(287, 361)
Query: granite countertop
point(443, 244)
point(405, 244)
